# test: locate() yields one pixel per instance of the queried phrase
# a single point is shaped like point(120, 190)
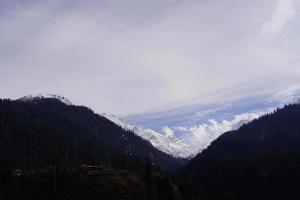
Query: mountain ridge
point(260, 160)
point(40, 96)
point(78, 135)
point(167, 143)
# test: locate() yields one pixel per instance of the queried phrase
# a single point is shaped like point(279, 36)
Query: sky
point(143, 59)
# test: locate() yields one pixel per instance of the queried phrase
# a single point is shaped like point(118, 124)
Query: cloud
point(168, 132)
point(204, 113)
point(200, 136)
point(289, 95)
point(142, 56)
point(283, 13)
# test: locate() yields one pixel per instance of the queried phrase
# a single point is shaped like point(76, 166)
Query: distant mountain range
point(167, 143)
point(37, 131)
point(259, 160)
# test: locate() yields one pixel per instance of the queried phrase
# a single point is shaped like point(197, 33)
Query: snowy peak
point(167, 142)
point(29, 98)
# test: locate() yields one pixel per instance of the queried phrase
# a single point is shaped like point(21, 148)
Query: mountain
point(36, 132)
point(167, 143)
point(31, 98)
point(260, 160)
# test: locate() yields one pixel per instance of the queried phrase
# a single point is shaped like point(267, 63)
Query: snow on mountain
point(29, 98)
point(167, 142)
point(196, 137)
point(203, 134)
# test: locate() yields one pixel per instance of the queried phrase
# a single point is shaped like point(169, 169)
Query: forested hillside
point(47, 132)
point(52, 150)
point(261, 160)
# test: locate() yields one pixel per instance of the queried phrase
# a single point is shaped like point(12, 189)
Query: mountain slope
point(167, 143)
point(45, 131)
point(31, 98)
point(261, 160)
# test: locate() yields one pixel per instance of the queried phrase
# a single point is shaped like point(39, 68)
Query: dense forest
point(261, 160)
point(51, 150)
point(45, 137)
point(37, 134)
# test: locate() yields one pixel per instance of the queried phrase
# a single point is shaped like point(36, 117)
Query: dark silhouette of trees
point(261, 160)
point(47, 132)
point(44, 143)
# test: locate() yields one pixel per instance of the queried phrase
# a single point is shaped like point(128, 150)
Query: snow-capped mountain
point(29, 98)
point(167, 142)
point(196, 138)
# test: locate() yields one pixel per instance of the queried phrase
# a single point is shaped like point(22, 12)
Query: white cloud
point(289, 95)
point(203, 134)
point(168, 132)
point(204, 113)
point(141, 56)
point(282, 14)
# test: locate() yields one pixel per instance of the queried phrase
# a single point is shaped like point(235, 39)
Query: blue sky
point(167, 60)
point(204, 123)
